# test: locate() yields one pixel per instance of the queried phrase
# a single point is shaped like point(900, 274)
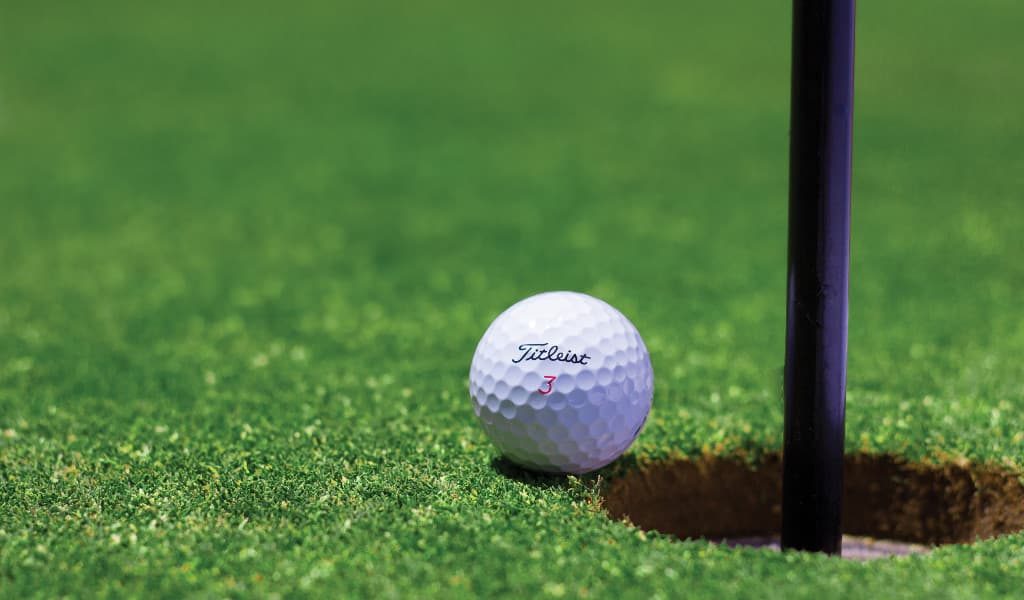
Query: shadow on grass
point(537, 479)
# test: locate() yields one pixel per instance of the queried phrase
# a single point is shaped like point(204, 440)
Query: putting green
point(246, 253)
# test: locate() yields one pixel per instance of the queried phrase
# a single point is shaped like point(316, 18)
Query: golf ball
point(561, 382)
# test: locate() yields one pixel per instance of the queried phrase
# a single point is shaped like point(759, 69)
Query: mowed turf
point(246, 253)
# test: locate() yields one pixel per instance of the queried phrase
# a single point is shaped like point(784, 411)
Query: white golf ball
point(561, 382)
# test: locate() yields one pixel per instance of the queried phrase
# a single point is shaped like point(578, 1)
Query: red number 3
point(548, 385)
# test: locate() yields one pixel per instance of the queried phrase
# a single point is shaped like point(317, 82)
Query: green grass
point(246, 253)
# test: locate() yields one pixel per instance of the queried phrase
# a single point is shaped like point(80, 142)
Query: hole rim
point(886, 498)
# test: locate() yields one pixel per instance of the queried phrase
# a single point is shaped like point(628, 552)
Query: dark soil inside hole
point(884, 497)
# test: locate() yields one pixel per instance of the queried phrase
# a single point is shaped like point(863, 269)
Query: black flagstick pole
point(821, 124)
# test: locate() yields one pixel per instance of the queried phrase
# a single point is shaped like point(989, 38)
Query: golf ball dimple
point(561, 382)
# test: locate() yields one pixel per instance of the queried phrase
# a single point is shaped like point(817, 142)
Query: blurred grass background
point(247, 251)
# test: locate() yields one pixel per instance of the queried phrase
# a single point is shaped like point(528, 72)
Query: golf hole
point(890, 506)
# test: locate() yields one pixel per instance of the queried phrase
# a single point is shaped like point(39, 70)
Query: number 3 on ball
point(549, 382)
